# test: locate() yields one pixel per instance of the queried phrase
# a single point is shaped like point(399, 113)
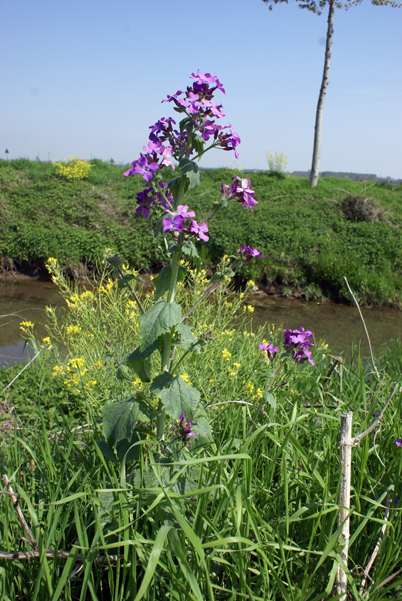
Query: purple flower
point(199, 230)
point(207, 78)
point(248, 253)
point(182, 210)
point(398, 442)
point(183, 428)
point(175, 223)
point(269, 349)
point(158, 195)
point(240, 189)
point(144, 167)
point(298, 342)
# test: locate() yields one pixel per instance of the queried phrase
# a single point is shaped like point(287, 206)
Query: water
point(23, 300)
point(339, 325)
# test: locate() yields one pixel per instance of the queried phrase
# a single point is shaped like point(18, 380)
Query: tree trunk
point(315, 166)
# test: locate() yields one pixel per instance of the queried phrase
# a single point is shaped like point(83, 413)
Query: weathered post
point(345, 466)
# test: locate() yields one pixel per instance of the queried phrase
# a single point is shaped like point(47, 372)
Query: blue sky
point(87, 78)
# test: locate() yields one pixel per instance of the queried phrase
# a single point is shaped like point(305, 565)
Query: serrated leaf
point(270, 399)
point(120, 419)
point(187, 338)
point(140, 361)
point(198, 144)
point(180, 398)
point(158, 320)
point(201, 427)
point(122, 450)
point(161, 282)
point(124, 281)
point(160, 382)
point(189, 249)
point(191, 171)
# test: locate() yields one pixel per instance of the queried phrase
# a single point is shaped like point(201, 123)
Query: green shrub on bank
point(310, 239)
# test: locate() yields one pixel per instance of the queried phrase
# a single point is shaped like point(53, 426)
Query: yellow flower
point(226, 355)
point(47, 341)
point(71, 330)
point(77, 362)
point(136, 382)
point(211, 381)
point(185, 378)
point(259, 393)
point(227, 304)
point(58, 370)
point(250, 387)
point(250, 309)
point(237, 365)
point(49, 310)
point(232, 373)
point(250, 283)
point(26, 324)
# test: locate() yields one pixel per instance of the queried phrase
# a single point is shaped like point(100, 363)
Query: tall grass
point(252, 514)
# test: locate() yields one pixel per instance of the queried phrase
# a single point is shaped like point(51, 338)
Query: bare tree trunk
point(315, 166)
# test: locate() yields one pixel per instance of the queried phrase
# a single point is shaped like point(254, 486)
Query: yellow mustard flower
point(226, 355)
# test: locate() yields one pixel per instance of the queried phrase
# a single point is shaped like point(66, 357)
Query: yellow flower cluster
point(226, 355)
point(26, 326)
point(72, 330)
point(73, 169)
point(248, 308)
point(185, 378)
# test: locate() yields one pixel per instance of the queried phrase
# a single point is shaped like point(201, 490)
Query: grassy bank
point(310, 239)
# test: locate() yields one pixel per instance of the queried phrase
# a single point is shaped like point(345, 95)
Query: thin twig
point(384, 582)
point(17, 508)
point(358, 438)
point(18, 375)
point(365, 328)
point(59, 555)
point(377, 547)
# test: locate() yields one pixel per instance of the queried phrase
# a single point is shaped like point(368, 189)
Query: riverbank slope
point(310, 239)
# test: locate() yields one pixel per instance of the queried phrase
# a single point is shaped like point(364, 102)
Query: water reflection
point(338, 325)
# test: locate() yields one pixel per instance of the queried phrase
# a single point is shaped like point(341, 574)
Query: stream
point(339, 325)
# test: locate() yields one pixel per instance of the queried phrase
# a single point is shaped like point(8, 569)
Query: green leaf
point(187, 338)
point(191, 171)
point(124, 281)
point(189, 249)
point(270, 399)
point(139, 361)
point(159, 319)
point(121, 417)
point(160, 382)
point(180, 398)
point(161, 282)
point(201, 427)
point(174, 186)
point(198, 144)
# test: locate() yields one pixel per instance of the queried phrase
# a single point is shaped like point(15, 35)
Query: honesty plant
point(162, 327)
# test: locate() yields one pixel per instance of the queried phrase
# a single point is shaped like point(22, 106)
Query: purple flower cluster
point(247, 252)
point(151, 197)
point(298, 343)
point(165, 141)
point(398, 442)
point(183, 428)
point(269, 349)
point(240, 189)
point(182, 222)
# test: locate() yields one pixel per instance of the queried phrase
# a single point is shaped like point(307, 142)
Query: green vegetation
point(249, 515)
point(310, 239)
